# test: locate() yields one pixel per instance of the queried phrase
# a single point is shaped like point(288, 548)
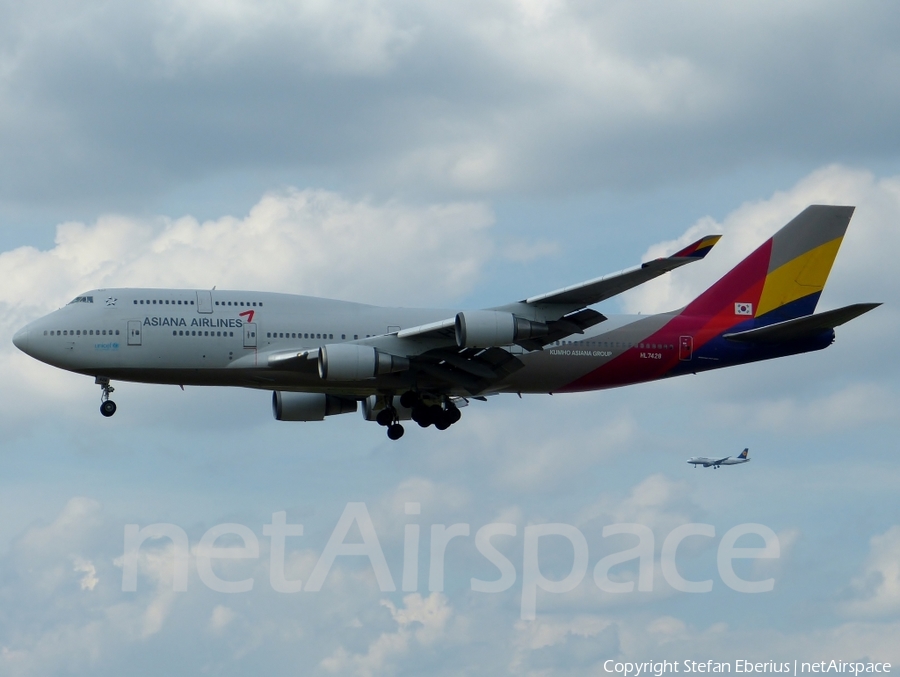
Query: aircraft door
point(204, 302)
point(685, 347)
point(250, 335)
point(134, 332)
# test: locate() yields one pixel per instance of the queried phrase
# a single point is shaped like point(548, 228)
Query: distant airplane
point(743, 457)
point(321, 357)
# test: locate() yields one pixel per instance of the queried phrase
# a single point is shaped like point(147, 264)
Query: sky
point(456, 155)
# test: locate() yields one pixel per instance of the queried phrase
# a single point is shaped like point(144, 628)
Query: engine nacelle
point(352, 362)
point(289, 406)
point(369, 411)
point(488, 328)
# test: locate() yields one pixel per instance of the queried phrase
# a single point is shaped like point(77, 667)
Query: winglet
point(698, 249)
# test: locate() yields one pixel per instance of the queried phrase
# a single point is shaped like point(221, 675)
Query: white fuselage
point(219, 337)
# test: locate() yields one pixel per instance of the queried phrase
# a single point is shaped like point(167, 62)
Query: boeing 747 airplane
point(322, 357)
point(742, 457)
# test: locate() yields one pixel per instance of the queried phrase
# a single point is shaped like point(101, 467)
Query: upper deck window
point(81, 299)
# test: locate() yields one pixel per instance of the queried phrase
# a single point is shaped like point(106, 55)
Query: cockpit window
point(81, 299)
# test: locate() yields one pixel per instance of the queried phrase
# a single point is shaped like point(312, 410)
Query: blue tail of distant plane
point(744, 453)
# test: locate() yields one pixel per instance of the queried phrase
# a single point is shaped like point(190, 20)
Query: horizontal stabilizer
point(802, 327)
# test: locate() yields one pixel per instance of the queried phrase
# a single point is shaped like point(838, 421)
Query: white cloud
point(419, 621)
point(527, 451)
point(657, 502)
point(121, 102)
point(309, 241)
point(357, 38)
point(89, 580)
point(861, 270)
point(854, 406)
point(876, 591)
point(221, 617)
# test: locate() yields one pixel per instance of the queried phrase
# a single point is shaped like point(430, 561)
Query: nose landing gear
point(107, 406)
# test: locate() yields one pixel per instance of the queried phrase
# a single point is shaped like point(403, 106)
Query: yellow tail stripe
point(799, 277)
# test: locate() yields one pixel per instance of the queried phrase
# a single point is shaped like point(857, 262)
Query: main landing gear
point(107, 406)
point(441, 417)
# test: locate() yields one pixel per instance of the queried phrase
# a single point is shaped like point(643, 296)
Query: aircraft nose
point(20, 340)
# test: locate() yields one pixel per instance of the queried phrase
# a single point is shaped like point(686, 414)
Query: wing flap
point(802, 327)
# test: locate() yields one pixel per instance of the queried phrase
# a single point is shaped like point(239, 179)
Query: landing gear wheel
point(443, 421)
point(107, 408)
point(422, 415)
point(435, 413)
point(410, 399)
point(395, 431)
point(386, 416)
point(453, 414)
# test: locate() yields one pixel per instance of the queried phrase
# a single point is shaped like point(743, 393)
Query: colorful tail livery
point(761, 309)
point(784, 277)
point(765, 304)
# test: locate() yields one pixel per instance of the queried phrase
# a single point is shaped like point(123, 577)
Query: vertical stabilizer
point(784, 277)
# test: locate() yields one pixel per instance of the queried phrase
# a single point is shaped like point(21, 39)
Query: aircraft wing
point(565, 310)
point(433, 351)
point(555, 304)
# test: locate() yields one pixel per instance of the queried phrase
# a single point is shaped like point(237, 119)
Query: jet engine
point(289, 406)
point(351, 362)
point(488, 328)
